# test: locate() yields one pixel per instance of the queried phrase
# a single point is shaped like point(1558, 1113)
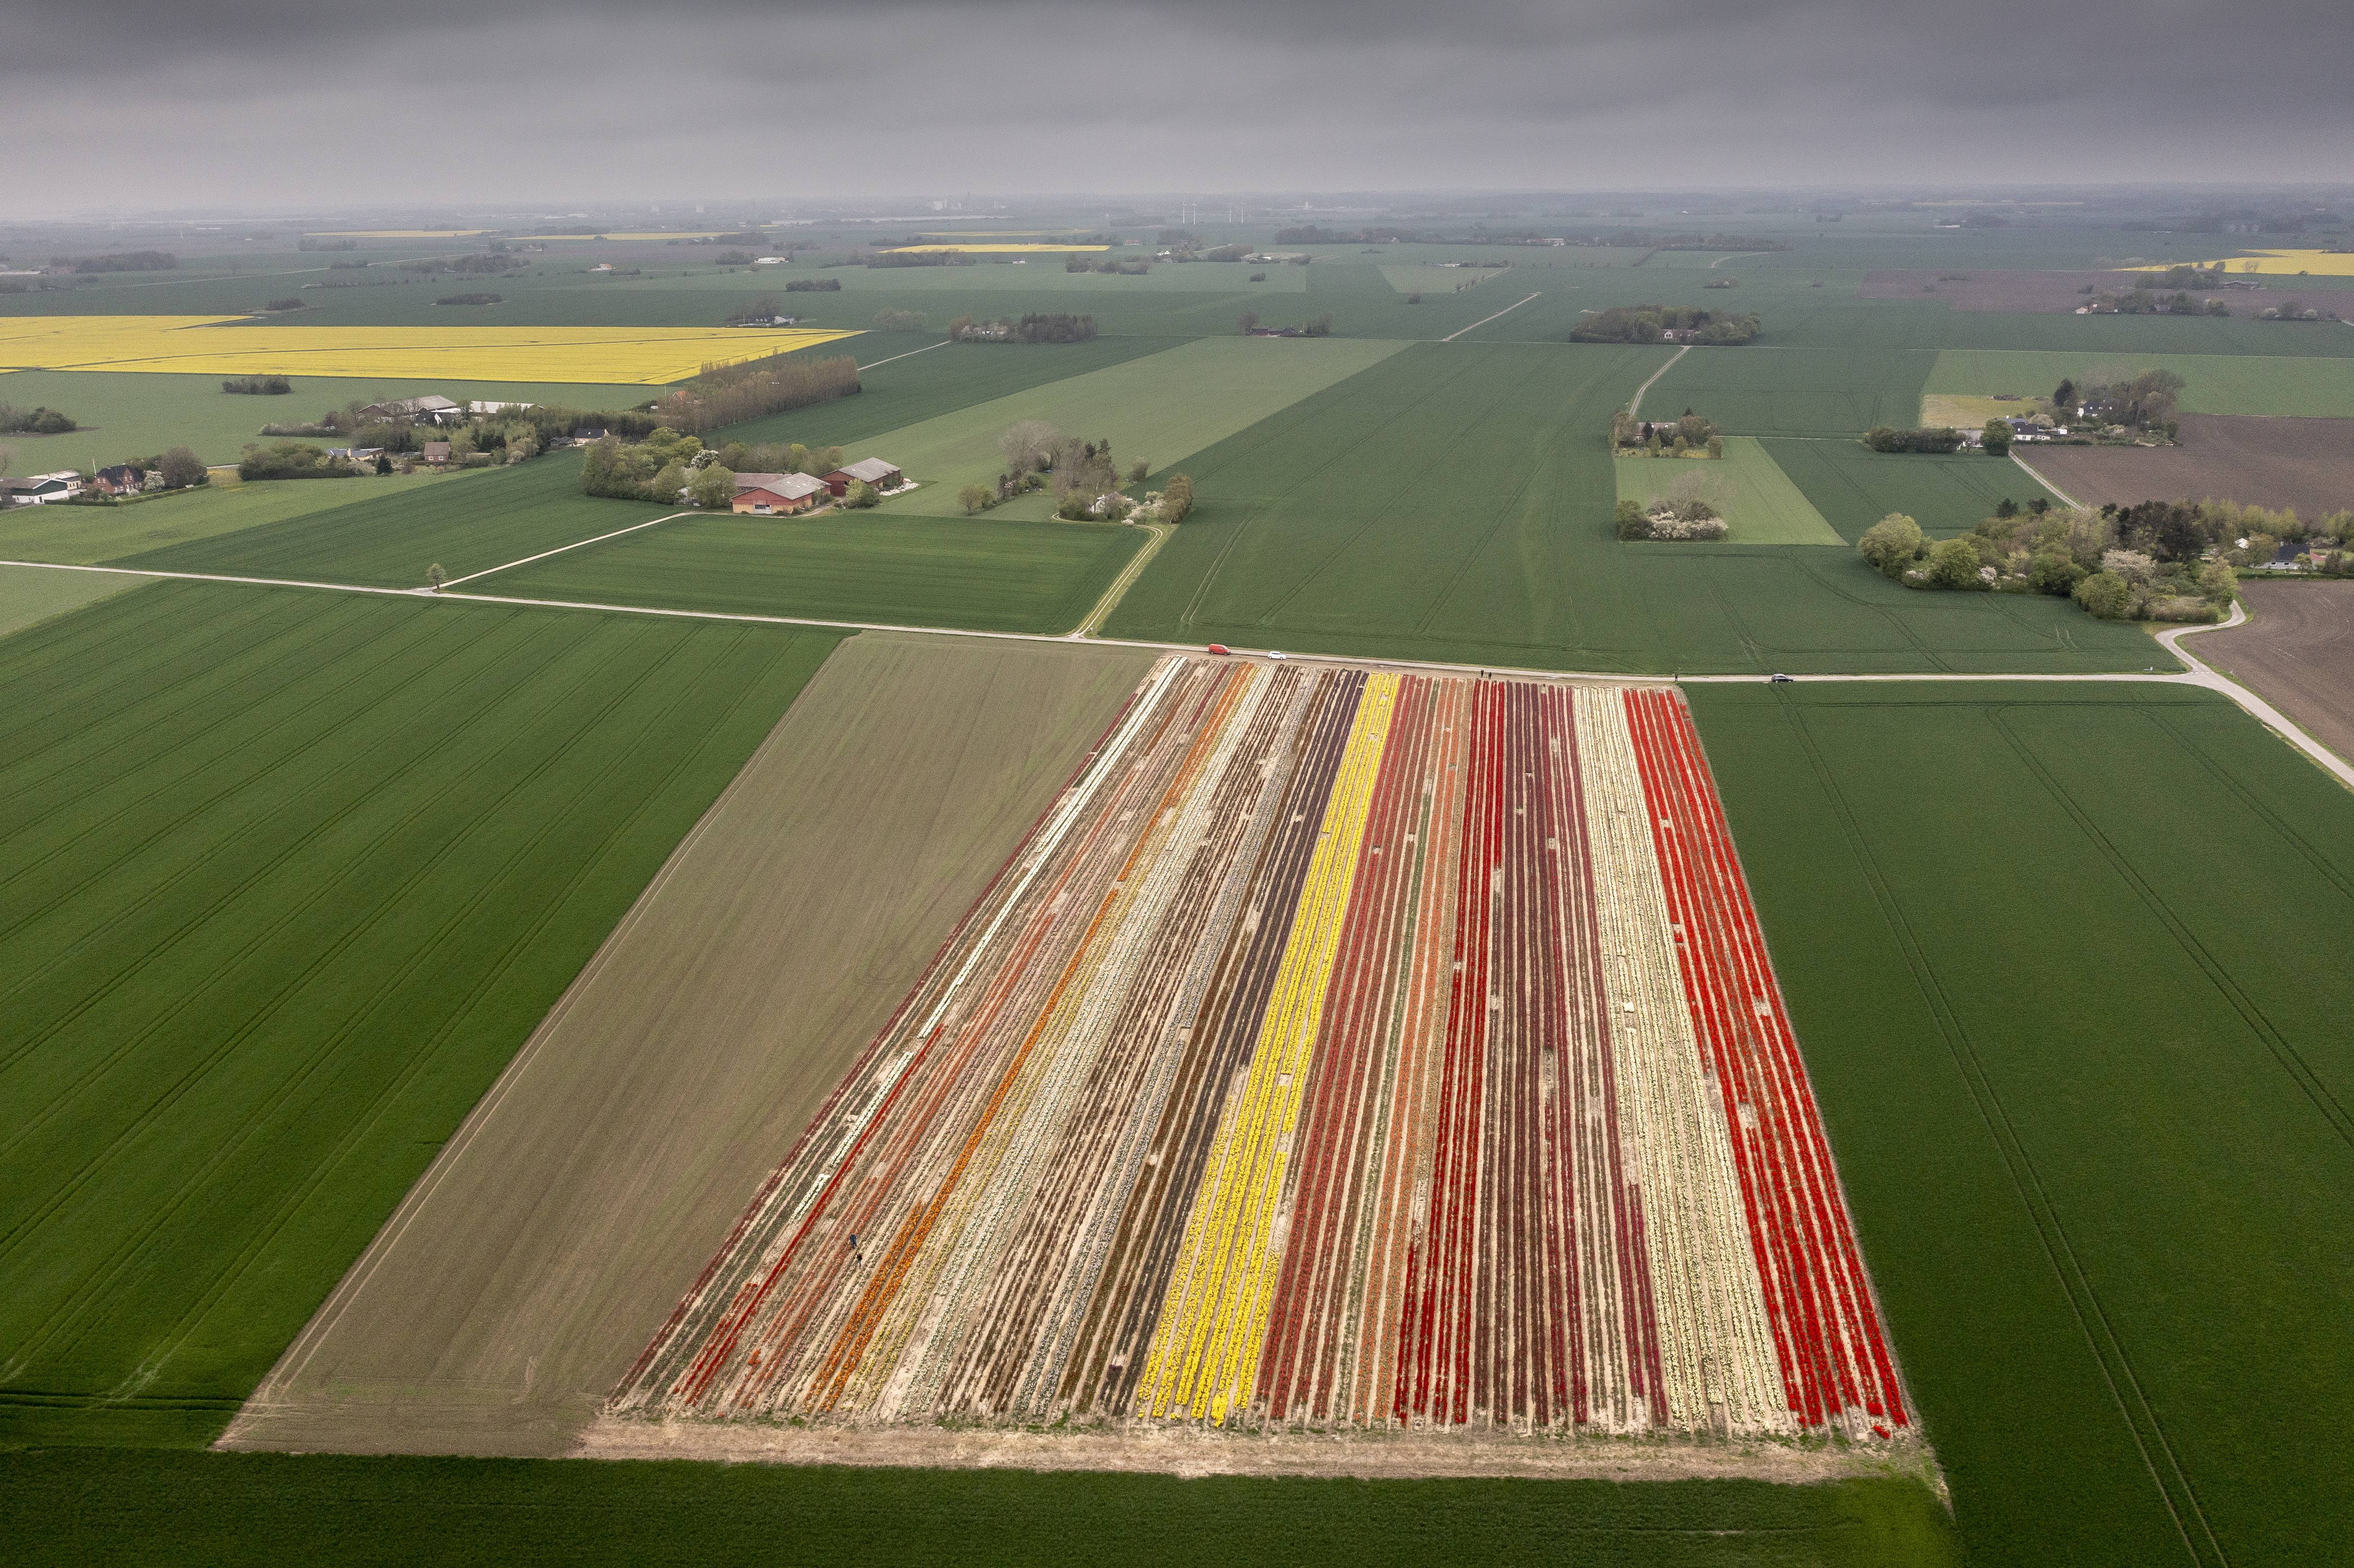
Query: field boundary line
point(1483, 321)
point(581, 544)
point(1638, 402)
point(2046, 484)
point(2208, 675)
point(910, 353)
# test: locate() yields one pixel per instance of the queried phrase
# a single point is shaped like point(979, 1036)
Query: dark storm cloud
point(272, 102)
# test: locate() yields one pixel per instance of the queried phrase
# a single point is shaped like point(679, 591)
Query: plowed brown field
point(513, 1289)
point(2305, 465)
point(2297, 651)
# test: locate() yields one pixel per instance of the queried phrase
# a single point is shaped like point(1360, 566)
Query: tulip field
point(1341, 1050)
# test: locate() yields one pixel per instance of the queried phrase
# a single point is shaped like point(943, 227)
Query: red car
point(1220, 648)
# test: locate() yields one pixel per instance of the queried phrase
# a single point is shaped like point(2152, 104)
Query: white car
point(1277, 653)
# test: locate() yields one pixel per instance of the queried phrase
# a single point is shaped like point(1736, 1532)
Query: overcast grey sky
point(271, 103)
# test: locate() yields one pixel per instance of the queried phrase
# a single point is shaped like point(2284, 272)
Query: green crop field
point(1162, 408)
point(2068, 967)
point(1854, 487)
point(2212, 383)
point(1758, 500)
point(29, 595)
point(71, 1509)
point(983, 574)
point(1757, 390)
point(130, 415)
point(467, 524)
point(289, 877)
point(925, 385)
point(87, 534)
point(1455, 503)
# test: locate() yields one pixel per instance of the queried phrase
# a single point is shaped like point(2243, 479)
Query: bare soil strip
point(510, 1293)
point(1203, 1451)
point(2296, 650)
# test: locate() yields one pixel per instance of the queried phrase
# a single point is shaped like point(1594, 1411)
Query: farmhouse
point(435, 454)
point(873, 471)
point(41, 488)
point(121, 480)
point(429, 407)
point(781, 495)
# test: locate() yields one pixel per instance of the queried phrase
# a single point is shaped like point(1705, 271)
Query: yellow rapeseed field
point(1056, 249)
point(228, 346)
point(2275, 263)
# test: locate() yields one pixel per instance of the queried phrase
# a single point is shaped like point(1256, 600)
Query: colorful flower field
point(1340, 1051)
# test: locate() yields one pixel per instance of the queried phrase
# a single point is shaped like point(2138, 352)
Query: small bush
point(34, 421)
point(1177, 500)
point(259, 386)
point(1954, 564)
point(278, 306)
point(1892, 545)
point(473, 299)
point(813, 286)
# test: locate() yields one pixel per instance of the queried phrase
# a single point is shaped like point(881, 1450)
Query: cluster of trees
point(471, 299)
point(33, 422)
point(779, 457)
point(1131, 267)
point(731, 394)
point(2155, 561)
point(1932, 438)
point(2144, 302)
point(293, 460)
point(487, 263)
point(120, 261)
point(655, 469)
point(813, 286)
point(734, 259)
point(1688, 511)
point(760, 312)
point(258, 386)
point(278, 307)
point(2291, 311)
point(1667, 323)
point(1032, 328)
point(1318, 326)
point(2143, 402)
point(900, 321)
point(1666, 438)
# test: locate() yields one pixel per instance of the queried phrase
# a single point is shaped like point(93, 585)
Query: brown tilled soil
point(2297, 651)
point(539, 1254)
point(2042, 293)
point(2307, 466)
point(1192, 1451)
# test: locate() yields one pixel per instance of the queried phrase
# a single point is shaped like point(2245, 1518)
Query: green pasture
point(1454, 502)
point(1162, 408)
point(132, 414)
point(2235, 337)
point(30, 595)
point(2212, 383)
point(1854, 487)
point(1760, 390)
point(289, 877)
point(72, 1508)
point(467, 524)
point(2067, 964)
point(980, 573)
point(1758, 500)
point(87, 534)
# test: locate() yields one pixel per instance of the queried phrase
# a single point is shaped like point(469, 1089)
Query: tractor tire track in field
point(2123, 1386)
point(1345, 1051)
